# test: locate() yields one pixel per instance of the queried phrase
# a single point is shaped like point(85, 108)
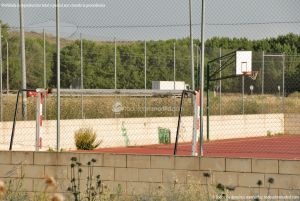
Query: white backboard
point(243, 62)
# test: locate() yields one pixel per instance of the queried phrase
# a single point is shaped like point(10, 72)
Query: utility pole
point(23, 61)
point(58, 75)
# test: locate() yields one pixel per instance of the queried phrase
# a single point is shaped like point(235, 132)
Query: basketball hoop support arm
point(209, 77)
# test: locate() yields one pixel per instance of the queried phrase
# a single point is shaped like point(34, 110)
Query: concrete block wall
point(140, 131)
point(292, 124)
point(144, 174)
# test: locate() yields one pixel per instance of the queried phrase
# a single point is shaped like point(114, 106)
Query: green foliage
point(15, 190)
point(93, 186)
point(98, 61)
point(269, 133)
point(85, 139)
point(4, 29)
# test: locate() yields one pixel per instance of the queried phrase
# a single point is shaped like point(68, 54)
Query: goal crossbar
point(119, 92)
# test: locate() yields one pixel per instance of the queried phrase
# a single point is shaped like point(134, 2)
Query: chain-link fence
point(252, 117)
point(142, 45)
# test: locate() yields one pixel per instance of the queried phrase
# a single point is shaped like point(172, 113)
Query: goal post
point(183, 144)
point(39, 94)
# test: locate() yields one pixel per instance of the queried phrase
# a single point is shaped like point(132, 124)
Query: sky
point(157, 19)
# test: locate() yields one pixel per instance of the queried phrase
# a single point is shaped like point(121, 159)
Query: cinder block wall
point(292, 124)
point(142, 174)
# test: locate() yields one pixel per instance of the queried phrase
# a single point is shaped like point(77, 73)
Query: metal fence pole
point(197, 66)
point(1, 97)
point(220, 84)
point(174, 74)
point(38, 108)
point(191, 47)
point(115, 62)
point(263, 73)
point(23, 61)
point(58, 75)
point(202, 79)
point(283, 82)
point(81, 74)
point(193, 81)
point(45, 74)
point(7, 67)
point(145, 66)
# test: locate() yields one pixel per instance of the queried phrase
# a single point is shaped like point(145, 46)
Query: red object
point(34, 94)
point(278, 147)
point(31, 94)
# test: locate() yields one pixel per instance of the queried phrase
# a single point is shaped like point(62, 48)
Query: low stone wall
point(143, 174)
point(140, 131)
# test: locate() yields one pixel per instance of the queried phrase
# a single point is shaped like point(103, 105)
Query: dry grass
point(102, 107)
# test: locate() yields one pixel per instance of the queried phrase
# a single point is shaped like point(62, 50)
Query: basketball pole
point(243, 94)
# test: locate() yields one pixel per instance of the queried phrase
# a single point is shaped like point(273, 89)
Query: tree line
point(99, 61)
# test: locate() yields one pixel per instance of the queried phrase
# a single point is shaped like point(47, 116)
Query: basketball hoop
point(251, 74)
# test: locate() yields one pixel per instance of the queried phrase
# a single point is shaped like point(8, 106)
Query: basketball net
point(251, 74)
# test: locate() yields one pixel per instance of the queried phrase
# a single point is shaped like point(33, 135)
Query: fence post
point(23, 61)
point(58, 76)
point(45, 74)
point(220, 84)
point(263, 73)
point(202, 79)
point(1, 97)
point(39, 119)
point(145, 77)
point(283, 83)
point(81, 74)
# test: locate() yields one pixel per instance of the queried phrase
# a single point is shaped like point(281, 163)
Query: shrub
point(85, 139)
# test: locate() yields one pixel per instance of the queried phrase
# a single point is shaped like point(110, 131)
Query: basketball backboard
point(243, 62)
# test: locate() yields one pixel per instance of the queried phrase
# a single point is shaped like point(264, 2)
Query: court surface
point(280, 147)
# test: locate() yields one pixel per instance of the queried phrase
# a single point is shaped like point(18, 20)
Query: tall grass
point(102, 106)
